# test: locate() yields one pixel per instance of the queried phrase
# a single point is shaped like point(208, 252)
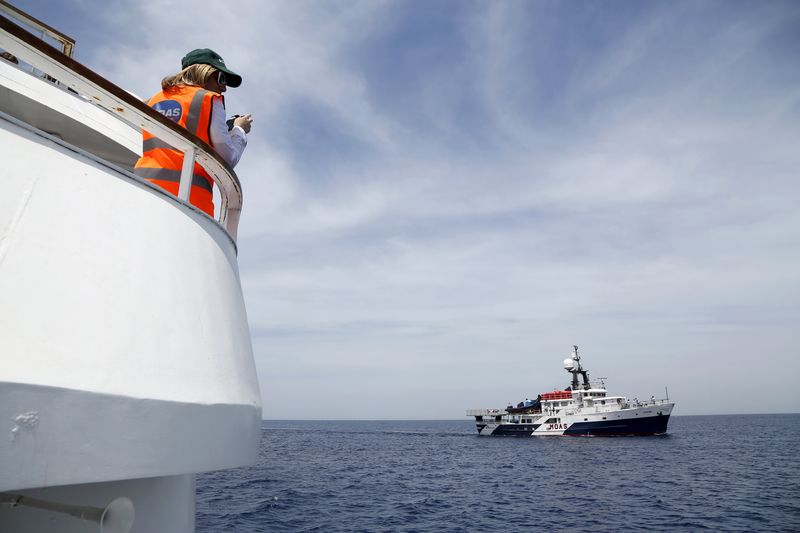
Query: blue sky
point(442, 197)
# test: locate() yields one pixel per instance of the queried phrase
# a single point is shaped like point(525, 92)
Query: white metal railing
point(67, 44)
point(485, 412)
point(131, 111)
point(645, 403)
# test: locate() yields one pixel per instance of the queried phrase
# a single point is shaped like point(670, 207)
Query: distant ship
point(582, 409)
point(126, 365)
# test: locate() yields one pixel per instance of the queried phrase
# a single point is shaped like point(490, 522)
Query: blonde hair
point(192, 75)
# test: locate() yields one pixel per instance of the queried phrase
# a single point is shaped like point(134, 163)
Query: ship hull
point(649, 420)
point(654, 425)
point(126, 353)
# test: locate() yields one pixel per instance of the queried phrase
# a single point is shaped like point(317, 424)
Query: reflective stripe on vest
point(164, 174)
point(153, 143)
point(193, 117)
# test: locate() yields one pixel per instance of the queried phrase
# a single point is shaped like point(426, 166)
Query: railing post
point(187, 172)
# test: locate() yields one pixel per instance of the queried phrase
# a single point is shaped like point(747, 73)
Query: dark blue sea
point(718, 473)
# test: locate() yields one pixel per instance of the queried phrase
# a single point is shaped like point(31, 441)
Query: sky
point(442, 197)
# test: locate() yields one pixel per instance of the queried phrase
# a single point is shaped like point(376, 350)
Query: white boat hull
point(126, 363)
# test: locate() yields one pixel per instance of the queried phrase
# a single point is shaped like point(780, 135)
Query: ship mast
point(573, 366)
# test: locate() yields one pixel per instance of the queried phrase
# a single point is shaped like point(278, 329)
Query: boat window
point(603, 402)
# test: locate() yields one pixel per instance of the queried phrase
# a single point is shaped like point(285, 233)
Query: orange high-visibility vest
point(160, 163)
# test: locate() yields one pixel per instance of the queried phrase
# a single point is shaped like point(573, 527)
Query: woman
point(193, 98)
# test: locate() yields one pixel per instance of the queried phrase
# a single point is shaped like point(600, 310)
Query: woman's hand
point(244, 122)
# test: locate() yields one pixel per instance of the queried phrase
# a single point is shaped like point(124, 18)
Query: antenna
point(116, 517)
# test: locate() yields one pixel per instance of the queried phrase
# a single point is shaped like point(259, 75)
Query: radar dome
point(570, 364)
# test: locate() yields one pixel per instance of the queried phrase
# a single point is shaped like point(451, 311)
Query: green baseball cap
point(206, 56)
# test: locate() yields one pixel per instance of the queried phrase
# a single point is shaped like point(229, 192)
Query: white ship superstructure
point(582, 409)
point(126, 364)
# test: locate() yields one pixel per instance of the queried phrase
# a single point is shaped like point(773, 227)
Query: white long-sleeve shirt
point(229, 144)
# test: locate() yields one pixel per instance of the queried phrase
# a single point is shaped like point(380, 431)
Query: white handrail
point(128, 109)
point(67, 43)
